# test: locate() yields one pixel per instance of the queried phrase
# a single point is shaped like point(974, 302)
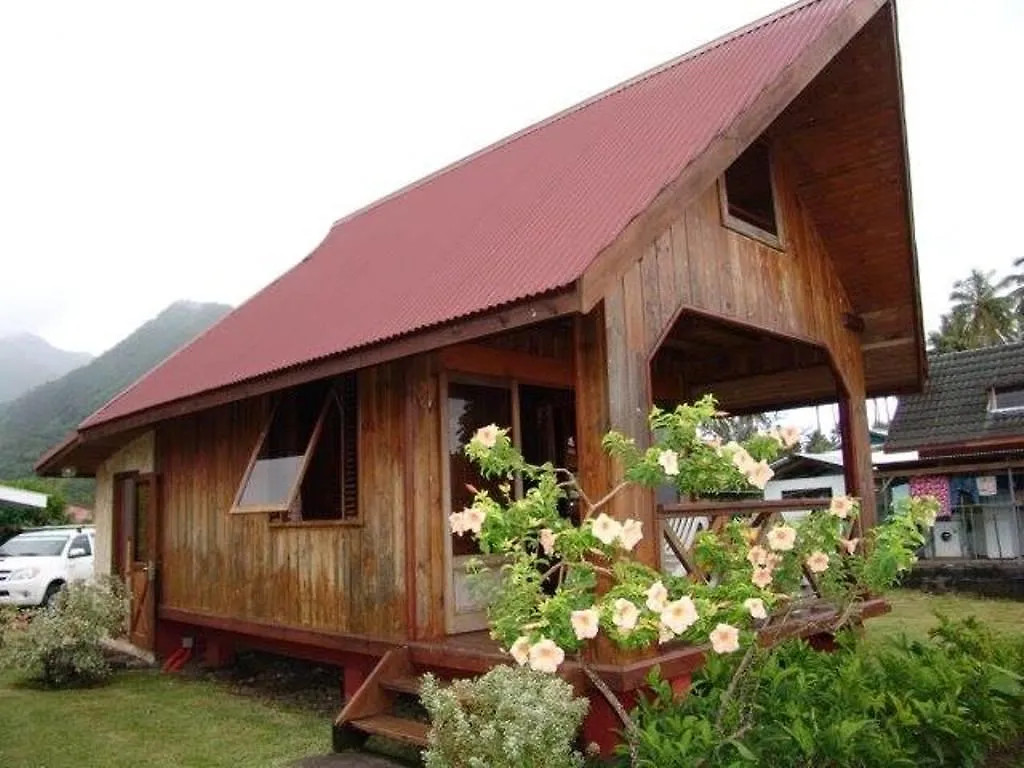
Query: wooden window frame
point(332, 398)
point(741, 227)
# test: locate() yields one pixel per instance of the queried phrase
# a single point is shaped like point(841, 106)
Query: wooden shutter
point(349, 447)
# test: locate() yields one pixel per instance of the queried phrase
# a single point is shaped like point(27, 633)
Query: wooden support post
point(857, 465)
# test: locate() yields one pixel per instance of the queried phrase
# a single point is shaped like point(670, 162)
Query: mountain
point(42, 417)
point(27, 361)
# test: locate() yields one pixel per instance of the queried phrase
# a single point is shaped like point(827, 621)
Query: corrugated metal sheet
point(518, 219)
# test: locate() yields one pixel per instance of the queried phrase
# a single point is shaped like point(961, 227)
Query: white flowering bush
point(566, 583)
point(508, 718)
point(61, 645)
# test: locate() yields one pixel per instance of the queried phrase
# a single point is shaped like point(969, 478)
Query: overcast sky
point(195, 150)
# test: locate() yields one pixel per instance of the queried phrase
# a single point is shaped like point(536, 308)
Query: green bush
point(61, 645)
point(509, 717)
point(946, 702)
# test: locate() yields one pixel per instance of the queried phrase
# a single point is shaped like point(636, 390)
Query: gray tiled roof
point(953, 408)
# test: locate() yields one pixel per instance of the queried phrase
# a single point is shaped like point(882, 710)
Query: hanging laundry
point(933, 485)
point(987, 485)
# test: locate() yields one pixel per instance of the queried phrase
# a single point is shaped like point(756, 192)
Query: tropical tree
point(1014, 285)
point(980, 317)
point(819, 442)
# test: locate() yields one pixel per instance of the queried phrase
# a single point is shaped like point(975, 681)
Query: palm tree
point(986, 315)
point(951, 336)
point(1014, 284)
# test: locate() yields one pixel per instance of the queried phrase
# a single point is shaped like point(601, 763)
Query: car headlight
point(23, 574)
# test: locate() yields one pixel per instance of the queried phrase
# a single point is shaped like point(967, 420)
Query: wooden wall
point(136, 456)
point(340, 578)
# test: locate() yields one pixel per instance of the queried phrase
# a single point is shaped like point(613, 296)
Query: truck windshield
point(34, 546)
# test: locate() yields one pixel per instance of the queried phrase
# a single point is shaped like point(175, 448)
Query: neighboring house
point(968, 429)
point(735, 221)
point(820, 475)
point(19, 497)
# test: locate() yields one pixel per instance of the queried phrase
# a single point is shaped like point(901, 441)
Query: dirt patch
point(295, 683)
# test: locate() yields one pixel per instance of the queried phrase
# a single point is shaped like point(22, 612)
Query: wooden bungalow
point(736, 221)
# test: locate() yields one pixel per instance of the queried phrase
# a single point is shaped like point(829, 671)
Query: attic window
point(304, 468)
point(748, 196)
point(1007, 399)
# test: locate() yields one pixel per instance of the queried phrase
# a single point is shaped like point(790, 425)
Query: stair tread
point(394, 727)
point(409, 684)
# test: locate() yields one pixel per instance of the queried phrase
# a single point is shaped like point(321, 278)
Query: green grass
point(913, 613)
point(143, 718)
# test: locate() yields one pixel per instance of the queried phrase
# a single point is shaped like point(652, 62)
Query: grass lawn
point(914, 613)
point(143, 718)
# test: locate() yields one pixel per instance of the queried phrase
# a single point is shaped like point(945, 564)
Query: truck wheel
point(51, 592)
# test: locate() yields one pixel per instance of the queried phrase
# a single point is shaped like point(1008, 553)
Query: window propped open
point(1007, 398)
point(305, 468)
point(748, 196)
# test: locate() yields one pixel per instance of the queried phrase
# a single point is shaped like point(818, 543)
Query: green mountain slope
point(27, 361)
point(42, 417)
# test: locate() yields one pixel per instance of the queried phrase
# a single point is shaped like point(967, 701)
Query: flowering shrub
point(508, 718)
point(636, 606)
point(61, 645)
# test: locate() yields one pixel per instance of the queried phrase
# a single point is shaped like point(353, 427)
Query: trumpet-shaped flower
point(585, 623)
point(725, 638)
point(757, 555)
point(631, 534)
point(520, 650)
point(680, 615)
point(755, 606)
point(789, 435)
point(473, 519)
point(669, 461)
point(761, 577)
point(457, 521)
point(759, 473)
point(817, 562)
point(624, 614)
point(841, 507)
point(665, 634)
point(546, 656)
point(606, 529)
point(782, 538)
point(487, 436)
point(547, 540)
point(657, 597)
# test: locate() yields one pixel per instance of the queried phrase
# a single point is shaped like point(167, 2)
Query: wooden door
point(135, 557)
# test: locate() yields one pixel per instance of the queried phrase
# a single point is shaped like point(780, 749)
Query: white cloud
point(157, 151)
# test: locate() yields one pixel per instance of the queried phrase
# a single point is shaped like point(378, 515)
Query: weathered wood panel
point(342, 578)
point(136, 456)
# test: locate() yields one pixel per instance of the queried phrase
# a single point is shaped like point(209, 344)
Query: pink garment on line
point(933, 485)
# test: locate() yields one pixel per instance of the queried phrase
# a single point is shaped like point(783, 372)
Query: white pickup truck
point(35, 564)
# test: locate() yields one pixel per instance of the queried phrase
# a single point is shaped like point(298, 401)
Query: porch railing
point(680, 524)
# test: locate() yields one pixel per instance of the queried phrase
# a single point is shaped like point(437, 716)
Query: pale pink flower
point(841, 507)
point(487, 436)
point(759, 473)
point(457, 521)
point(850, 545)
point(631, 533)
point(474, 519)
point(665, 634)
point(782, 538)
point(606, 529)
point(755, 606)
point(680, 615)
point(669, 461)
point(546, 656)
point(817, 562)
point(742, 460)
point(520, 650)
point(757, 555)
point(789, 435)
point(657, 597)
point(624, 614)
point(585, 623)
point(762, 577)
point(725, 638)
point(547, 540)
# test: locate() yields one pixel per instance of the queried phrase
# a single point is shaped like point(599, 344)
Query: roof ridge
point(700, 50)
point(987, 349)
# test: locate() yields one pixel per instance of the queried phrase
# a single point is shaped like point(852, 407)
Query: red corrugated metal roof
point(518, 219)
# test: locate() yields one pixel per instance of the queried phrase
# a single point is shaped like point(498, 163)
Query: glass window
point(34, 545)
point(81, 542)
point(1008, 398)
point(141, 522)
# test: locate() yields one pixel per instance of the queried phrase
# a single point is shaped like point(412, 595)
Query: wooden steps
point(381, 706)
point(393, 727)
